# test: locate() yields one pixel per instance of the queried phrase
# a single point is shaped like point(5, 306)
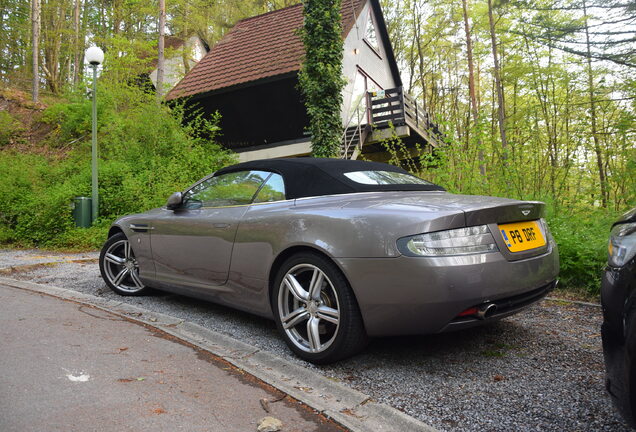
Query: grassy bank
point(145, 154)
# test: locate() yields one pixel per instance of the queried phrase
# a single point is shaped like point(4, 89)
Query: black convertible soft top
point(307, 177)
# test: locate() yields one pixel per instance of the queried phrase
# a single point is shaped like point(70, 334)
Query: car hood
point(630, 216)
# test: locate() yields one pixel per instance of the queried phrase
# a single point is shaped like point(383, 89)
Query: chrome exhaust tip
point(486, 310)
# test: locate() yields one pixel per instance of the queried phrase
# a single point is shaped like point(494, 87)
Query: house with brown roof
point(251, 78)
point(181, 55)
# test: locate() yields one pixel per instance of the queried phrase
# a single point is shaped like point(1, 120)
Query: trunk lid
point(497, 213)
point(477, 209)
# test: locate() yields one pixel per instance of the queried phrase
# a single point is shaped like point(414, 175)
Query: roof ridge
point(263, 45)
point(268, 13)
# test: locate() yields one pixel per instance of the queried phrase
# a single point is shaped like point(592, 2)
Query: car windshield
point(384, 178)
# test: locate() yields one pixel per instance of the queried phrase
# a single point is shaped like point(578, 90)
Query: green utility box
point(82, 211)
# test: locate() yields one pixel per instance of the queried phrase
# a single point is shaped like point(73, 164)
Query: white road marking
point(78, 378)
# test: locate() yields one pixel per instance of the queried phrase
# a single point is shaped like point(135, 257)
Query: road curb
point(351, 408)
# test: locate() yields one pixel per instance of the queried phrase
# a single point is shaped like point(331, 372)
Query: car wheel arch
point(114, 230)
point(291, 251)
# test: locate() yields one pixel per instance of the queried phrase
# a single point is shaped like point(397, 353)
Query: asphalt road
point(541, 370)
point(70, 367)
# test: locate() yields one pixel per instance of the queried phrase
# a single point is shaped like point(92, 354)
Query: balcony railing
point(395, 106)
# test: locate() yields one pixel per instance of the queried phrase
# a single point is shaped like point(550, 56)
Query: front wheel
point(119, 268)
point(316, 311)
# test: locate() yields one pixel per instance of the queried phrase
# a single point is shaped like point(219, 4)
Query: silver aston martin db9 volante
point(336, 251)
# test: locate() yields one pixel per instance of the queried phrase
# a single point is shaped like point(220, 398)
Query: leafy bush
point(145, 155)
point(8, 127)
point(72, 121)
point(582, 240)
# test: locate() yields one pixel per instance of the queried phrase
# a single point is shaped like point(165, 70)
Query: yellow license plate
point(522, 236)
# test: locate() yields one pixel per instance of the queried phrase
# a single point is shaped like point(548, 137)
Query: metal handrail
point(358, 132)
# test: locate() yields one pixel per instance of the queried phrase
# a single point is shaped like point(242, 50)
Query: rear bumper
point(405, 295)
point(504, 307)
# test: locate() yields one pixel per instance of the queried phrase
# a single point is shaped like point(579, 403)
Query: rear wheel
point(119, 267)
point(316, 311)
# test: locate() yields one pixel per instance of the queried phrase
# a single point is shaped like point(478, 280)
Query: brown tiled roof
point(259, 47)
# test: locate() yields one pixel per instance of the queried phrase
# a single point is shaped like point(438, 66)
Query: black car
point(618, 296)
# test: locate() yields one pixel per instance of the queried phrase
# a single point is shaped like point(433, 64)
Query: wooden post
point(401, 93)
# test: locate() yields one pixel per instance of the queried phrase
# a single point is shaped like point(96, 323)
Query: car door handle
point(221, 225)
point(140, 227)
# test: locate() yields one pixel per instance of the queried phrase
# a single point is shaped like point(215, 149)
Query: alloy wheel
point(121, 268)
point(308, 308)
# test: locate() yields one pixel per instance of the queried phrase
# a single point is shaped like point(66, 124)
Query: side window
point(273, 190)
point(237, 188)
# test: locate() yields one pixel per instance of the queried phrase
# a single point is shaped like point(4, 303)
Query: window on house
point(357, 113)
point(370, 35)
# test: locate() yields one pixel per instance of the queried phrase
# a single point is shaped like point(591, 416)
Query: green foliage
point(72, 121)
point(320, 78)
point(128, 59)
point(145, 155)
point(582, 240)
point(8, 128)
point(81, 239)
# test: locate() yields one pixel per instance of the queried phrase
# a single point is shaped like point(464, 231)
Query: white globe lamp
point(94, 55)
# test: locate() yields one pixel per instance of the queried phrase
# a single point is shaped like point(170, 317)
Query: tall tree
point(35, 22)
point(161, 57)
point(471, 83)
point(471, 65)
point(76, 45)
point(595, 136)
point(501, 110)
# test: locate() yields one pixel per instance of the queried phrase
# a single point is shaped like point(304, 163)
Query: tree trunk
point(3, 66)
point(418, 42)
point(471, 66)
point(77, 56)
point(52, 47)
point(595, 135)
point(35, 22)
point(471, 85)
point(501, 113)
point(116, 14)
point(160, 58)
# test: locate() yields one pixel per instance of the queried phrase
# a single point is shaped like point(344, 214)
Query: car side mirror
point(174, 201)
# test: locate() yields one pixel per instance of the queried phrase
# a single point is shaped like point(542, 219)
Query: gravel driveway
point(541, 370)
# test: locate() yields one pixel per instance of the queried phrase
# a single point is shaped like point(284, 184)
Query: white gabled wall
point(173, 66)
point(374, 65)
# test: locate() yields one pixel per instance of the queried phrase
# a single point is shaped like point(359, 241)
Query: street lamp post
point(94, 56)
